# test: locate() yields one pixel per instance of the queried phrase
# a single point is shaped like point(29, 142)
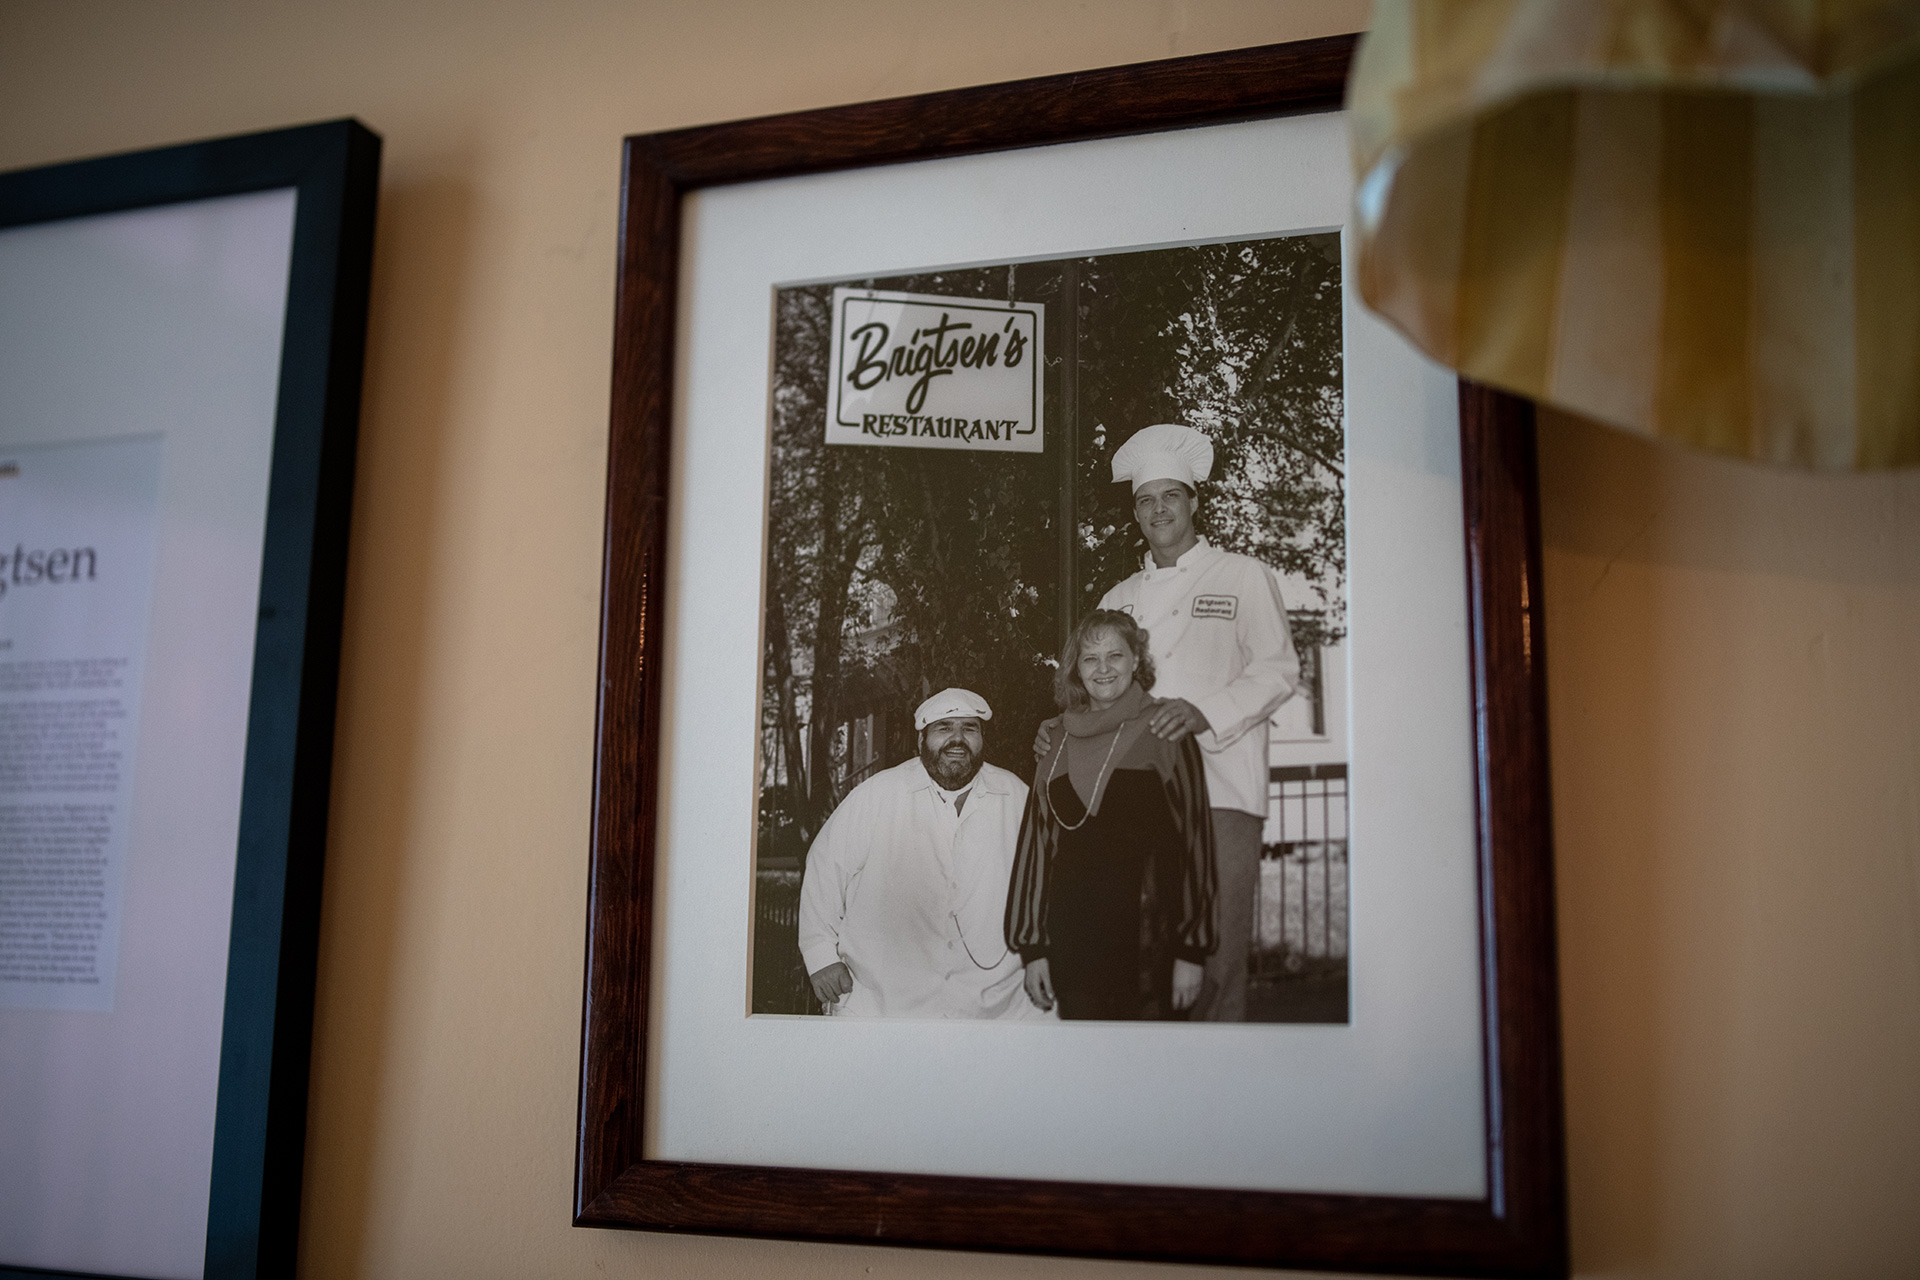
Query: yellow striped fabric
point(1696, 220)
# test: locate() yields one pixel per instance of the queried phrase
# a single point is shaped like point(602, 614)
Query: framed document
point(181, 336)
point(922, 412)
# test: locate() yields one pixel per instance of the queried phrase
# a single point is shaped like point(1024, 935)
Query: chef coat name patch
point(1227, 607)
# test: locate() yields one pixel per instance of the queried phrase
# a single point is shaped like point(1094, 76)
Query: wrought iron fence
point(1300, 919)
point(779, 976)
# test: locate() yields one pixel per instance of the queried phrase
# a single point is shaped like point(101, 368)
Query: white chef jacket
point(1217, 629)
point(913, 897)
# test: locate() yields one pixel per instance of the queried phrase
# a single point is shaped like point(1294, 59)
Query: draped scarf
point(1182, 775)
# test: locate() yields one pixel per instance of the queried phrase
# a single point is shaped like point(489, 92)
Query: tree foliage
point(1241, 341)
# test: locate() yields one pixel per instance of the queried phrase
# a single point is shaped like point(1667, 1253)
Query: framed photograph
point(181, 335)
point(1071, 770)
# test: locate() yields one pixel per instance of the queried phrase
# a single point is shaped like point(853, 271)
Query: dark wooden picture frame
point(267, 1028)
point(1519, 1227)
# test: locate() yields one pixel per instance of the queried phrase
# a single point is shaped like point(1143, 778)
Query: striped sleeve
point(1026, 922)
point(1195, 934)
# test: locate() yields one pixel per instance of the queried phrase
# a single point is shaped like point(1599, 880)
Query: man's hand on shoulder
point(831, 983)
point(1176, 718)
point(1043, 740)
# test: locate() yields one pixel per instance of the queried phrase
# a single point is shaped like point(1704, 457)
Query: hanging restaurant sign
point(927, 372)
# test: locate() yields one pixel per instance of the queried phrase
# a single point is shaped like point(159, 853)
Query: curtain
point(1697, 221)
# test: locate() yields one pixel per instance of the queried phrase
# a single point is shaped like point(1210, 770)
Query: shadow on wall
point(1610, 494)
point(422, 266)
point(1736, 770)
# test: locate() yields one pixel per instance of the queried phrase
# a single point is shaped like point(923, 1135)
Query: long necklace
point(1098, 779)
point(1004, 951)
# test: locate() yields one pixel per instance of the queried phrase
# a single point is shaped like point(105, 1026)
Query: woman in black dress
point(1111, 905)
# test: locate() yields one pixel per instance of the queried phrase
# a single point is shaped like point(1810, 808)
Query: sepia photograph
point(1016, 561)
point(1053, 713)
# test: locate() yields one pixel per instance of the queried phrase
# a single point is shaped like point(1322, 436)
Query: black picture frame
point(1519, 1228)
point(261, 1111)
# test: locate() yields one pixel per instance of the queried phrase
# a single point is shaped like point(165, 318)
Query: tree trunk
point(786, 718)
point(840, 548)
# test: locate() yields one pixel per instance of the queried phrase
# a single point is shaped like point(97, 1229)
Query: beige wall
point(1735, 659)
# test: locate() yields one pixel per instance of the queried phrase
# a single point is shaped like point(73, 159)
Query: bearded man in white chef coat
point(1217, 628)
point(905, 893)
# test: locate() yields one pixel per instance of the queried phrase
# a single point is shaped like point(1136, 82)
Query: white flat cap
point(1163, 451)
point(949, 703)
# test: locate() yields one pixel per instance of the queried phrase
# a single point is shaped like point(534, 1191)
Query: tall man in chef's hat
point(1224, 654)
point(904, 899)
